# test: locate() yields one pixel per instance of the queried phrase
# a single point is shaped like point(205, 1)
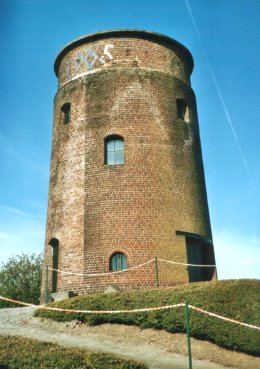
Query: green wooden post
point(47, 285)
point(188, 333)
point(156, 272)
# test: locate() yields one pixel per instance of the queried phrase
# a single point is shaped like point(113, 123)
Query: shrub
point(20, 279)
point(236, 299)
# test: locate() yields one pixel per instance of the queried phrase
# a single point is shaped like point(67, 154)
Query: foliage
point(235, 299)
point(24, 353)
point(20, 279)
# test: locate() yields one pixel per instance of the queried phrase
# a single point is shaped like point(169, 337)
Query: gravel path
point(157, 349)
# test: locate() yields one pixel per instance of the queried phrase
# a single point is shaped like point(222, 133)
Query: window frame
point(117, 153)
point(66, 113)
point(54, 243)
point(119, 259)
point(183, 110)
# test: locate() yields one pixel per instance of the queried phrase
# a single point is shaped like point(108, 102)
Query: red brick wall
point(95, 209)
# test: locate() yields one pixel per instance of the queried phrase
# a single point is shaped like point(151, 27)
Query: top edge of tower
point(135, 33)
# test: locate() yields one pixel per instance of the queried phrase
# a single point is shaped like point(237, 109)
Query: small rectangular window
point(66, 113)
point(118, 261)
point(182, 110)
point(114, 150)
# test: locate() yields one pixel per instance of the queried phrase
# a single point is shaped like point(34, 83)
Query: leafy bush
point(24, 353)
point(20, 279)
point(235, 299)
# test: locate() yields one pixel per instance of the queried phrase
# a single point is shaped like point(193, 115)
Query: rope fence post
point(188, 332)
point(156, 272)
point(47, 285)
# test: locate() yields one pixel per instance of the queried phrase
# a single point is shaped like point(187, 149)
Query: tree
point(20, 279)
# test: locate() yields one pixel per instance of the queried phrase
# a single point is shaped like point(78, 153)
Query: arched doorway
point(55, 260)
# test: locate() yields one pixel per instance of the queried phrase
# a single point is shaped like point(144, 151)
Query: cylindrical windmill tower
point(127, 182)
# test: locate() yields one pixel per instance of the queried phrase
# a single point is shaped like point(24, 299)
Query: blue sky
point(224, 39)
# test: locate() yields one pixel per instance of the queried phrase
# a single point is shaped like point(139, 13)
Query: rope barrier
point(19, 302)
point(166, 307)
point(115, 311)
point(184, 264)
point(223, 318)
point(102, 274)
point(149, 262)
point(208, 265)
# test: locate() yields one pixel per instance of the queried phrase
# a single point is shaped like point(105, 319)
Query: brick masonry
point(125, 83)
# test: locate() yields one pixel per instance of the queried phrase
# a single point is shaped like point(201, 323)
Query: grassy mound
point(24, 353)
point(235, 299)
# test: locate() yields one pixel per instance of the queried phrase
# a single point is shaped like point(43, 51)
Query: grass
point(235, 299)
point(25, 353)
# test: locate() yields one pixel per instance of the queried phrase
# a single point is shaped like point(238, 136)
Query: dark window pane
point(123, 262)
point(66, 113)
point(114, 263)
point(118, 262)
point(182, 110)
point(66, 117)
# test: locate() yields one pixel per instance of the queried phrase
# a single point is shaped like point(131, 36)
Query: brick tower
point(127, 182)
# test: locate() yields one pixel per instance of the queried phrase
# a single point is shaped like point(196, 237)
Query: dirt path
point(157, 349)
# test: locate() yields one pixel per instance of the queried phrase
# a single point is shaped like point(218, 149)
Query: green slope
point(25, 353)
point(235, 299)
